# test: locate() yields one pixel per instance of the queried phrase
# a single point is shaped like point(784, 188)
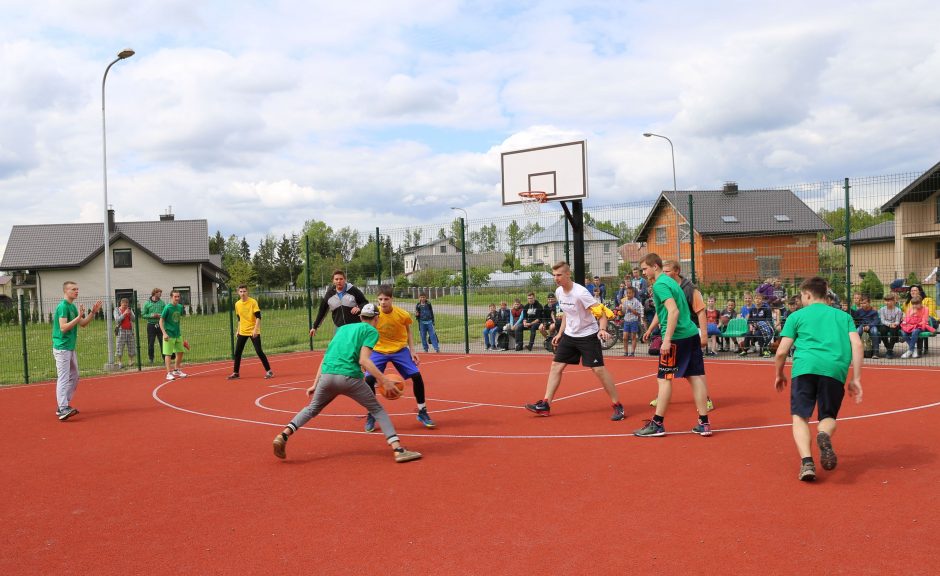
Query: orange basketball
point(388, 394)
point(490, 323)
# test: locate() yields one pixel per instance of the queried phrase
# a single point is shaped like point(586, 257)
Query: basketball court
point(179, 477)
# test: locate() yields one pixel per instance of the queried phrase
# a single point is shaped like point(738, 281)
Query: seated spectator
point(760, 328)
point(866, 318)
point(712, 315)
point(517, 314)
point(490, 334)
point(551, 317)
point(928, 303)
point(890, 317)
point(780, 294)
point(504, 316)
point(531, 320)
point(766, 289)
point(729, 312)
point(916, 320)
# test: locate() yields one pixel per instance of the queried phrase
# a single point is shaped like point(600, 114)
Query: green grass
point(208, 336)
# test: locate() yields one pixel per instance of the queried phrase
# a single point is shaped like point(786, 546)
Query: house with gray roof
point(601, 256)
point(873, 249)
point(739, 235)
point(916, 210)
point(442, 254)
point(168, 253)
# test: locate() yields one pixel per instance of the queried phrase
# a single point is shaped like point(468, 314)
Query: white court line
point(156, 397)
point(259, 404)
point(601, 388)
point(470, 367)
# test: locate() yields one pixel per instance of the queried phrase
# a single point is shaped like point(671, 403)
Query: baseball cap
point(369, 311)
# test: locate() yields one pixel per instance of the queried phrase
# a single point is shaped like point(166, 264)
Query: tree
point(441, 234)
point(216, 243)
point(531, 229)
point(871, 286)
point(623, 231)
point(858, 219)
point(478, 276)
point(231, 252)
point(287, 261)
point(244, 250)
point(455, 234)
point(514, 237)
point(264, 260)
point(486, 238)
point(347, 242)
point(241, 272)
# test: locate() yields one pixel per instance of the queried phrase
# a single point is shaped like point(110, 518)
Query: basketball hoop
point(532, 203)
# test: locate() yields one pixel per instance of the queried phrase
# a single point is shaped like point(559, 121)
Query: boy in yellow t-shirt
point(395, 345)
point(249, 327)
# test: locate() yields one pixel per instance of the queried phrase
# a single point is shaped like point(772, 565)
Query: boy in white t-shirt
point(578, 340)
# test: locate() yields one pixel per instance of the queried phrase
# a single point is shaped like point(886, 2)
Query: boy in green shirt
point(65, 323)
point(173, 342)
point(681, 352)
point(152, 310)
point(826, 342)
point(340, 374)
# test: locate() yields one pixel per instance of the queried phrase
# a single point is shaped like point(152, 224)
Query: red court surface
point(179, 478)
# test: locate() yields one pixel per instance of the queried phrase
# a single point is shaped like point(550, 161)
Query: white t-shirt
point(579, 321)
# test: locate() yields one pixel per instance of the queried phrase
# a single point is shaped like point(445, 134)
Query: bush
point(871, 286)
point(912, 279)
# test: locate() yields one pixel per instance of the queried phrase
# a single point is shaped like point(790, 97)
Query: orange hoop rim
point(534, 196)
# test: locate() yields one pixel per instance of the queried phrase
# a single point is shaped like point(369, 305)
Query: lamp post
point(675, 193)
point(126, 53)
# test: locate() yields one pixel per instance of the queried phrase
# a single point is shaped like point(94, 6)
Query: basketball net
point(532, 203)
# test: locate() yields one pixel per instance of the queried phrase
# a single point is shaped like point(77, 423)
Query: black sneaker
point(233, 376)
point(540, 408)
point(650, 429)
point(827, 456)
point(618, 414)
point(64, 414)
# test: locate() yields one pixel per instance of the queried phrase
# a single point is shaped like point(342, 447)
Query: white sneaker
point(915, 354)
point(170, 376)
point(906, 354)
point(180, 374)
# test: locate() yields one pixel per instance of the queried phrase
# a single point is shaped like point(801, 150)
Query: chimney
point(110, 220)
point(168, 217)
point(730, 189)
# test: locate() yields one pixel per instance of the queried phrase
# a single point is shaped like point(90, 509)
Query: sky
point(259, 116)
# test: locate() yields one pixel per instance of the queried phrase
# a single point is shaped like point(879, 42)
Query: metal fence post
point(231, 323)
point(307, 285)
point(692, 236)
point(137, 330)
point(378, 259)
point(848, 245)
point(463, 263)
point(23, 332)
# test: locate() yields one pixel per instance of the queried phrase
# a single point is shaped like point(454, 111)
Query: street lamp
point(126, 53)
point(675, 193)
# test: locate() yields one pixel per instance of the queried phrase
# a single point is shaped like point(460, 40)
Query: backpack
point(656, 342)
point(867, 344)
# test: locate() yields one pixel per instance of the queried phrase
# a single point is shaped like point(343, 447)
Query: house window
point(606, 267)
point(530, 252)
point(936, 251)
point(768, 266)
point(782, 218)
point(123, 293)
point(684, 233)
point(122, 257)
point(729, 219)
point(938, 208)
point(443, 248)
point(184, 294)
point(587, 248)
point(660, 234)
point(606, 247)
point(545, 251)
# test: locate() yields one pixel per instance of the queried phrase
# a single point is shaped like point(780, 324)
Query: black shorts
point(683, 360)
point(583, 349)
point(810, 390)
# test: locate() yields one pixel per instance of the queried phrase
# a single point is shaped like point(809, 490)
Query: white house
point(601, 255)
point(170, 254)
point(442, 255)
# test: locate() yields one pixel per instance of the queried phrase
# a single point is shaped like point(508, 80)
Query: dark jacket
point(341, 306)
point(533, 312)
point(424, 312)
point(502, 317)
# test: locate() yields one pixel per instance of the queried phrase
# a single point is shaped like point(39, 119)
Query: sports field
point(157, 477)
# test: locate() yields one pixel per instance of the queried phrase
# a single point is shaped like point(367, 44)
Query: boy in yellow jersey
point(395, 345)
point(249, 326)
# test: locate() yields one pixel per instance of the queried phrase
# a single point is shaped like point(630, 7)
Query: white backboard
point(559, 170)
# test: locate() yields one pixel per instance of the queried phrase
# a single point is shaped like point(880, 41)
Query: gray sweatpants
point(125, 340)
point(66, 369)
point(333, 385)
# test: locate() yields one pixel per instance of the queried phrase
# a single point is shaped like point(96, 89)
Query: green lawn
point(208, 336)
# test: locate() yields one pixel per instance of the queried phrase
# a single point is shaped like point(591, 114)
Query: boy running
point(395, 345)
point(340, 373)
point(172, 337)
point(578, 340)
point(681, 351)
point(65, 323)
point(826, 342)
point(249, 327)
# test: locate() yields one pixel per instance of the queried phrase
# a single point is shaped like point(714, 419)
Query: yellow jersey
point(393, 330)
point(246, 316)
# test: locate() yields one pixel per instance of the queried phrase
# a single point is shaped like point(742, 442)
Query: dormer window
point(729, 219)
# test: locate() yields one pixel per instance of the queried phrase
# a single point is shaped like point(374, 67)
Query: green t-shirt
point(821, 343)
point(151, 308)
point(66, 341)
point(663, 289)
point(342, 355)
point(171, 319)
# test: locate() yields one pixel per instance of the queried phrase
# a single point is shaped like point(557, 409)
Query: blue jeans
point(489, 336)
point(427, 332)
point(911, 338)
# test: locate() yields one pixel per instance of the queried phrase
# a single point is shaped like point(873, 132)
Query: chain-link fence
point(731, 242)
